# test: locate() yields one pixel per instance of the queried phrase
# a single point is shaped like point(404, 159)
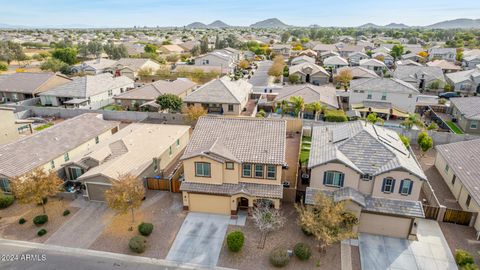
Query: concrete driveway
point(84, 227)
point(200, 239)
point(431, 251)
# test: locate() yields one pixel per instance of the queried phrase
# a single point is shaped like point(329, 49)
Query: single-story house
point(171, 49)
point(130, 67)
point(445, 65)
point(94, 67)
point(466, 110)
point(310, 73)
point(355, 57)
point(448, 54)
point(358, 72)
point(335, 62)
point(466, 82)
point(302, 59)
point(373, 64)
point(421, 77)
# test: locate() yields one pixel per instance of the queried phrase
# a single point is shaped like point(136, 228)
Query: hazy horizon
point(123, 13)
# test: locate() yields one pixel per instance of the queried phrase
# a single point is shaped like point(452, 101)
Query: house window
point(5, 185)
point(388, 185)
point(66, 157)
point(369, 95)
point(229, 165)
point(410, 96)
point(110, 93)
point(178, 142)
point(271, 172)
point(446, 168)
point(52, 164)
point(202, 169)
point(230, 107)
point(453, 180)
point(406, 187)
point(97, 140)
point(258, 171)
point(155, 165)
point(247, 170)
point(333, 178)
point(75, 172)
point(473, 125)
point(366, 177)
point(467, 202)
point(384, 96)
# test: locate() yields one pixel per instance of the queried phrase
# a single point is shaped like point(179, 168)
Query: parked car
point(448, 95)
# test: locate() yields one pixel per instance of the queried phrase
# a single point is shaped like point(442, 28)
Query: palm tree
point(283, 106)
point(298, 104)
point(412, 120)
point(317, 108)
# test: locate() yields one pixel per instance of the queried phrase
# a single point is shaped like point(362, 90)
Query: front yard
point(252, 257)
point(11, 229)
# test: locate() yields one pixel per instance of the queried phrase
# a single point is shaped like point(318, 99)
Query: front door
point(243, 203)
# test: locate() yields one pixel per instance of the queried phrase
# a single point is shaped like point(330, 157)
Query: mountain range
point(451, 24)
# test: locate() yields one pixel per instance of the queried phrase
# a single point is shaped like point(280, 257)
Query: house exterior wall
point(8, 129)
point(403, 101)
point(212, 60)
point(464, 123)
point(398, 176)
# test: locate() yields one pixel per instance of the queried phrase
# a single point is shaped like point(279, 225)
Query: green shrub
point(66, 212)
point(5, 201)
point(463, 257)
point(145, 229)
point(137, 244)
point(41, 232)
point(279, 257)
point(235, 241)
point(40, 220)
point(469, 267)
point(335, 116)
point(306, 231)
point(302, 251)
point(21, 221)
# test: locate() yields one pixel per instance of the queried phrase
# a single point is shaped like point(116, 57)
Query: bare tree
point(267, 219)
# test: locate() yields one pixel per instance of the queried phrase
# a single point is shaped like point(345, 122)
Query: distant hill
point(396, 25)
point(458, 23)
point(269, 23)
point(218, 24)
point(369, 25)
point(197, 25)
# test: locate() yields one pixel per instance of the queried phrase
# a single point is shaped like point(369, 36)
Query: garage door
point(384, 225)
point(96, 191)
point(209, 204)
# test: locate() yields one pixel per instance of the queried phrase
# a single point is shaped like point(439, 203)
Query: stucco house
point(129, 151)
point(471, 62)
point(54, 146)
point(230, 164)
point(421, 77)
point(358, 72)
point(10, 127)
point(129, 67)
point(448, 54)
point(223, 59)
point(445, 65)
point(147, 94)
point(374, 65)
point(310, 73)
point(355, 57)
point(466, 110)
point(458, 165)
point(25, 85)
point(334, 62)
point(89, 91)
point(94, 67)
point(171, 49)
point(387, 58)
point(282, 49)
point(369, 168)
point(221, 96)
point(302, 59)
point(466, 82)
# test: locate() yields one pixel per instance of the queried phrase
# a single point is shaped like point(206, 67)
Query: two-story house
point(310, 73)
point(231, 164)
point(370, 168)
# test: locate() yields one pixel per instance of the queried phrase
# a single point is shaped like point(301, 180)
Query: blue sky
point(239, 12)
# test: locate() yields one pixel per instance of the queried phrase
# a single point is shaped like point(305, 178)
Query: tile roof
point(222, 90)
point(25, 154)
point(25, 82)
point(307, 65)
point(310, 93)
point(371, 63)
point(370, 204)
point(246, 139)
point(250, 189)
point(153, 90)
point(359, 72)
point(461, 76)
point(335, 60)
point(469, 107)
point(414, 73)
point(367, 149)
point(87, 86)
point(383, 84)
point(464, 159)
point(133, 63)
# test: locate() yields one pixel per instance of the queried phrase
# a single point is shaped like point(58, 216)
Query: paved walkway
point(430, 252)
point(200, 239)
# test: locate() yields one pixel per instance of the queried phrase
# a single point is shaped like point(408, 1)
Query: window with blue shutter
point(333, 178)
point(406, 187)
point(388, 185)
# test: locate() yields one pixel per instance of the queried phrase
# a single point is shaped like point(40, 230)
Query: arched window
point(406, 186)
point(333, 178)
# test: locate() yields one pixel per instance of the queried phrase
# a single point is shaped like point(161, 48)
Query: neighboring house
point(386, 96)
point(466, 82)
point(221, 96)
point(26, 85)
point(141, 150)
point(135, 98)
point(387, 58)
point(334, 62)
point(358, 72)
point(54, 146)
point(232, 164)
point(94, 67)
point(421, 77)
point(413, 57)
point(374, 65)
point(327, 54)
point(218, 58)
point(188, 45)
point(302, 59)
point(171, 49)
point(467, 112)
point(321, 48)
point(309, 52)
point(448, 54)
point(282, 49)
point(10, 127)
point(458, 165)
point(369, 168)
point(90, 92)
point(471, 62)
point(407, 62)
point(310, 73)
point(445, 65)
point(346, 50)
point(130, 67)
point(355, 57)
point(326, 95)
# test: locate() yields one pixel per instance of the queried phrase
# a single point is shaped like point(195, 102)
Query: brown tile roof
point(250, 189)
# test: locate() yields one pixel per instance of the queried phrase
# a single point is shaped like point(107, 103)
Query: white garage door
point(96, 191)
point(209, 204)
point(384, 225)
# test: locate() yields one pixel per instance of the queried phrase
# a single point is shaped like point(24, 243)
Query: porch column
point(250, 207)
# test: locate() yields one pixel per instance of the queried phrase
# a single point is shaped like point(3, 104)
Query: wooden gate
point(457, 216)
point(158, 184)
point(431, 212)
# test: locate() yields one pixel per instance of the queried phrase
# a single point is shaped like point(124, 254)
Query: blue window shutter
point(401, 186)
point(324, 178)
point(383, 184)
point(410, 189)
point(393, 185)
point(342, 176)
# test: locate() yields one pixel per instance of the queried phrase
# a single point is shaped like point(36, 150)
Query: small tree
point(327, 220)
point(126, 194)
point(397, 51)
point(170, 102)
point(267, 219)
point(373, 119)
point(35, 186)
point(412, 120)
point(425, 142)
point(432, 126)
point(317, 108)
point(150, 48)
point(244, 64)
point(193, 113)
point(344, 77)
point(298, 104)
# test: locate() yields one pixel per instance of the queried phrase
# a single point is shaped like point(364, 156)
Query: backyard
point(112, 107)
point(454, 127)
point(42, 127)
point(305, 150)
